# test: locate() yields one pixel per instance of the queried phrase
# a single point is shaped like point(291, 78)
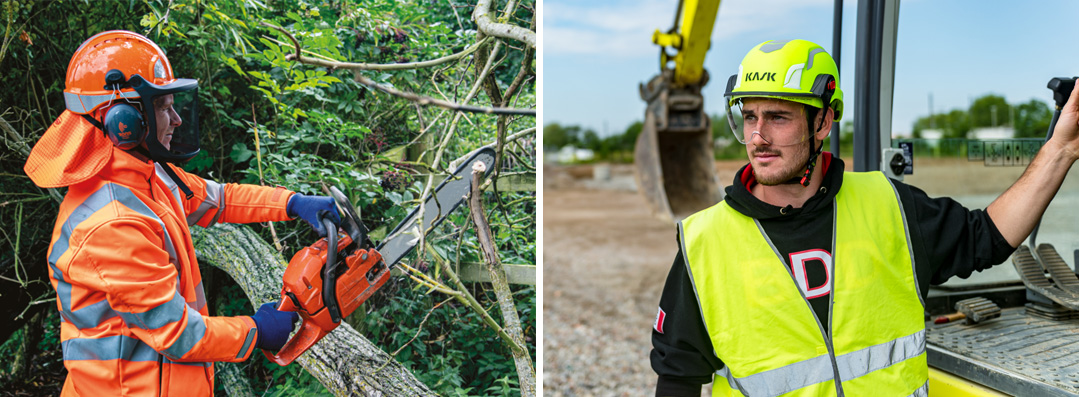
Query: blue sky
point(594, 53)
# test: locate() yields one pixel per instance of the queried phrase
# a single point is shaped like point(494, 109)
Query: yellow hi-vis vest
point(764, 329)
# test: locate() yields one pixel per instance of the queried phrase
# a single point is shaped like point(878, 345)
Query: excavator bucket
point(675, 164)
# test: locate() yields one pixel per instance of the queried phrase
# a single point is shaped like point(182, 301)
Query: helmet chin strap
point(811, 162)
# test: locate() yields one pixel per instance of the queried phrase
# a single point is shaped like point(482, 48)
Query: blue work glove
point(273, 326)
point(310, 208)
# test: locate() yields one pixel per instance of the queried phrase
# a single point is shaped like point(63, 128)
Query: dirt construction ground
point(605, 260)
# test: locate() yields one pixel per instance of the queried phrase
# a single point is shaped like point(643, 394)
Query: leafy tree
point(955, 124)
point(555, 136)
point(628, 139)
point(990, 111)
point(1032, 119)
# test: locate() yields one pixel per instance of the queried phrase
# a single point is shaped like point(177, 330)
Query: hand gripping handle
point(307, 336)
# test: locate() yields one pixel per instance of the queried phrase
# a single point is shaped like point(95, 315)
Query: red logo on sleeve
point(659, 321)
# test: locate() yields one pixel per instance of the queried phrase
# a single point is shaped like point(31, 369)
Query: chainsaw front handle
point(329, 282)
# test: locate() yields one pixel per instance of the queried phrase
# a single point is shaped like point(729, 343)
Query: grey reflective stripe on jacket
point(818, 369)
point(215, 197)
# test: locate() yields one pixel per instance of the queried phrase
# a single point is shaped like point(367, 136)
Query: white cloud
point(625, 30)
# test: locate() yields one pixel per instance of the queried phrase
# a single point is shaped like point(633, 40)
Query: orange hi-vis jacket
point(133, 312)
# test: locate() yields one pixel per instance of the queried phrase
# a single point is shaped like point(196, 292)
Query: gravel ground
point(605, 260)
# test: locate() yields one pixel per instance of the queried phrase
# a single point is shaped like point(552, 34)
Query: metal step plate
point(1015, 353)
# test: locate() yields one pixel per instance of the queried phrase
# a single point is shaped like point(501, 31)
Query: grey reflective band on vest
point(781, 380)
point(922, 391)
point(872, 358)
point(174, 189)
point(108, 348)
point(193, 333)
point(818, 369)
point(200, 298)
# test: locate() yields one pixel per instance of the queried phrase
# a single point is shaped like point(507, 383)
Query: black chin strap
point(826, 103)
point(94, 121)
point(168, 170)
point(180, 182)
point(811, 163)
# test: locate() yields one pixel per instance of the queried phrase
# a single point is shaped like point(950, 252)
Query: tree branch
point(16, 142)
point(329, 63)
point(504, 30)
point(466, 298)
point(422, 100)
point(511, 322)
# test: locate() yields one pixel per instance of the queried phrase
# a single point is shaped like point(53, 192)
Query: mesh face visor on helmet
point(823, 86)
point(182, 118)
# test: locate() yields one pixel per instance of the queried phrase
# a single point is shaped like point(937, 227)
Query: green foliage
point(556, 136)
point(990, 111)
point(270, 120)
point(1031, 118)
point(453, 352)
point(954, 124)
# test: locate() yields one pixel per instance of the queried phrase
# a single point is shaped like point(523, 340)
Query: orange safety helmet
point(122, 72)
point(114, 75)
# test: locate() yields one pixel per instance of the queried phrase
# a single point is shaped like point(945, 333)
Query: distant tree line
point(619, 147)
point(1030, 119)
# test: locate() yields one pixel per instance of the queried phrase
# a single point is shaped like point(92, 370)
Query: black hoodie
point(947, 240)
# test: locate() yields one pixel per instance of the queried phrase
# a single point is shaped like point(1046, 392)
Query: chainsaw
point(330, 279)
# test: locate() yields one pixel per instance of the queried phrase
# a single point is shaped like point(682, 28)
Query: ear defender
point(124, 126)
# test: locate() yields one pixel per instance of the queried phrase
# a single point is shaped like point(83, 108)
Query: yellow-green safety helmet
point(793, 70)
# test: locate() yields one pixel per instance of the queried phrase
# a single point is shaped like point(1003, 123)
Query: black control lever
point(1062, 88)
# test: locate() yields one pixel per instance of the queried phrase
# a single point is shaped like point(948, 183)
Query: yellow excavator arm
point(675, 164)
point(696, 19)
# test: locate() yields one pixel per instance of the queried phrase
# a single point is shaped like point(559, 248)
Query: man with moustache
point(810, 280)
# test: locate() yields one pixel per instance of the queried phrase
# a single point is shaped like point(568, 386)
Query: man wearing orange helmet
point(133, 311)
